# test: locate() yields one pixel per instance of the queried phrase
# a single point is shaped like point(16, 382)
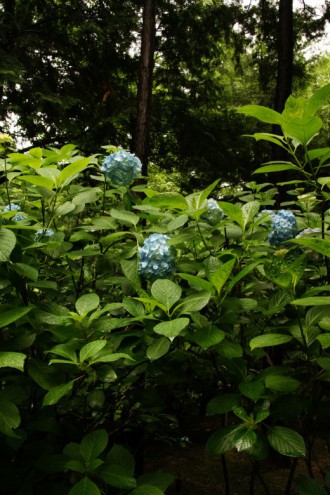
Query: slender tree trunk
point(285, 54)
point(284, 79)
point(142, 129)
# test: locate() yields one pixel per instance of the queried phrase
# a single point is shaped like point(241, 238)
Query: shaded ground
point(203, 475)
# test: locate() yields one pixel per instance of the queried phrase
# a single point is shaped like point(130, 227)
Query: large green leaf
point(116, 475)
point(194, 302)
point(222, 440)
point(245, 439)
point(120, 455)
point(7, 243)
point(221, 275)
point(169, 200)
point(281, 383)
point(319, 98)
point(56, 393)
point(166, 292)
point(261, 113)
point(222, 403)
point(308, 486)
point(85, 487)
point(25, 270)
point(208, 336)
point(232, 211)
point(286, 441)
point(89, 350)
point(249, 211)
point(312, 301)
point(9, 417)
point(7, 317)
point(87, 303)
point(302, 129)
point(171, 329)
point(71, 171)
point(275, 167)
point(321, 246)
point(125, 217)
point(12, 360)
point(158, 348)
point(269, 340)
point(93, 444)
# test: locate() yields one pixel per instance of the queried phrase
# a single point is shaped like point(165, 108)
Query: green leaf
point(12, 360)
point(110, 358)
point(166, 292)
point(7, 243)
point(93, 444)
point(9, 417)
point(275, 167)
point(125, 217)
point(158, 348)
point(85, 487)
point(7, 317)
point(157, 479)
point(169, 200)
point(278, 272)
point(87, 303)
point(115, 475)
point(261, 113)
point(272, 138)
point(36, 180)
point(302, 129)
point(26, 271)
point(319, 98)
point(222, 440)
point(130, 270)
point(324, 340)
point(222, 404)
point(269, 340)
point(71, 171)
point(194, 302)
point(253, 390)
point(177, 223)
point(56, 393)
point(312, 301)
point(321, 246)
point(197, 282)
point(233, 212)
point(249, 211)
point(245, 271)
point(120, 455)
point(281, 383)
point(89, 350)
point(286, 441)
point(89, 196)
point(221, 275)
point(208, 336)
point(171, 329)
point(245, 440)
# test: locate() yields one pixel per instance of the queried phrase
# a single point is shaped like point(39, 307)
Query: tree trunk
point(7, 41)
point(284, 79)
point(285, 54)
point(142, 128)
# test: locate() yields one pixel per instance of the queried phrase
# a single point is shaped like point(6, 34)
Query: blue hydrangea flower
point(121, 167)
point(214, 213)
point(156, 258)
point(284, 227)
point(43, 232)
point(13, 207)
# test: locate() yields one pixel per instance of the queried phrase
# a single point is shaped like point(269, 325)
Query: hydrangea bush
point(136, 316)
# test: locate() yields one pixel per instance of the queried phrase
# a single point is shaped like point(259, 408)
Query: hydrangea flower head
point(14, 207)
point(121, 167)
point(284, 227)
point(156, 258)
point(43, 232)
point(5, 138)
point(214, 213)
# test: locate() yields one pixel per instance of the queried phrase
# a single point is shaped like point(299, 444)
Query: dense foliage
point(68, 72)
point(124, 310)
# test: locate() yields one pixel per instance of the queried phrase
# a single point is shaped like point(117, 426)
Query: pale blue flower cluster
point(214, 213)
point(13, 207)
point(156, 258)
point(284, 227)
point(43, 232)
point(121, 167)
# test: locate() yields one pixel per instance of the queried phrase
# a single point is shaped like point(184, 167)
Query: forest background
point(72, 70)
